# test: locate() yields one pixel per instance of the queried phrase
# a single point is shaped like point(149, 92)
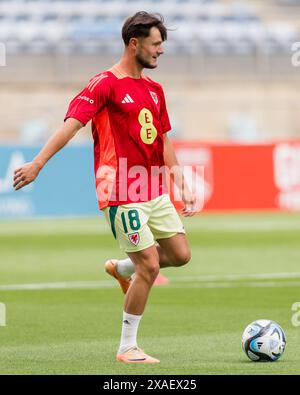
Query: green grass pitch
point(63, 313)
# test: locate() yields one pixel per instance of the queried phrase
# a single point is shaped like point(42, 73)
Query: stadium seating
point(85, 26)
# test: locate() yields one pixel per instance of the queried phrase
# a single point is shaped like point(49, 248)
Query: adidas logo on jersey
point(127, 99)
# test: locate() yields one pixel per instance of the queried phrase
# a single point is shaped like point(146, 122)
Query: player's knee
point(183, 257)
point(152, 272)
point(149, 272)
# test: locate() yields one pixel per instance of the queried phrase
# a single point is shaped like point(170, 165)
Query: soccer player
point(129, 126)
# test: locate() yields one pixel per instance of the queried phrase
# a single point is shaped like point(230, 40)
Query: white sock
point(129, 331)
point(125, 267)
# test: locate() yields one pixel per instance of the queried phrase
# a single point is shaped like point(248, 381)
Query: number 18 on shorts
point(136, 226)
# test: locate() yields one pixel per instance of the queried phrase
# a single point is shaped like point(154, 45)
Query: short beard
point(144, 63)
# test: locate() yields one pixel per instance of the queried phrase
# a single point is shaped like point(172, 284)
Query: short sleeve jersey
point(129, 118)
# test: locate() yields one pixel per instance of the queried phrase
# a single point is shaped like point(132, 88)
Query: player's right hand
point(189, 201)
point(25, 175)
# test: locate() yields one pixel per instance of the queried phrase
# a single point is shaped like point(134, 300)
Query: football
point(263, 340)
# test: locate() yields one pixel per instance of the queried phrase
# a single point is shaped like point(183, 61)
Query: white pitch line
point(62, 285)
point(55, 230)
point(227, 281)
point(239, 277)
point(251, 284)
point(248, 226)
point(99, 226)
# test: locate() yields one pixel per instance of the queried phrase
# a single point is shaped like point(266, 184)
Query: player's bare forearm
point(177, 176)
point(29, 171)
point(172, 163)
point(57, 141)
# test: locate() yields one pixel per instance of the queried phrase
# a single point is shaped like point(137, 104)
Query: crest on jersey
point(154, 97)
point(134, 238)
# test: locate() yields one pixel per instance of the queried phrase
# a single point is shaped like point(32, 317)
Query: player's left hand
point(189, 200)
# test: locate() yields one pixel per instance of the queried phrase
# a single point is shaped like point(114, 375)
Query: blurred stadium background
point(233, 96)
point(227, 73)
point(227, 67)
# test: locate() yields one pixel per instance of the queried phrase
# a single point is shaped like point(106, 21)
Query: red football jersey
point(129, 118)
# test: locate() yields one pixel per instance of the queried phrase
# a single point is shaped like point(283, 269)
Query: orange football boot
point(111, 269)
point(136, 355)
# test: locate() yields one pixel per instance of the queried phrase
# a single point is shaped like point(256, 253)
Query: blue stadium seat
point(199, 25)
